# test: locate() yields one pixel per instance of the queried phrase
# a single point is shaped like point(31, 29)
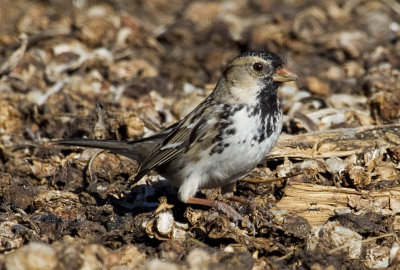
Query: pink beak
point(284, 75)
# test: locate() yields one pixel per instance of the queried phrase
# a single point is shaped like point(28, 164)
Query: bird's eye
point(258, 66)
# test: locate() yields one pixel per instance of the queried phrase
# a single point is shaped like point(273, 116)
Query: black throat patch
point(268, 109)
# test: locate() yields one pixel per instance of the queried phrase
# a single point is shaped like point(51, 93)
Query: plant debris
point(329, 190)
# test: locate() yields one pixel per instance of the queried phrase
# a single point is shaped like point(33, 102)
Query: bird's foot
point(224, 208)
point(254, 207)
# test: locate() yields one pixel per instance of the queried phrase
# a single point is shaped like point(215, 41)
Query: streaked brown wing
point(164, 153)
point(186, 133)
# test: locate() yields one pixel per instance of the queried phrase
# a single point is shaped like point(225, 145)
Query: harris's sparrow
point(222, 139)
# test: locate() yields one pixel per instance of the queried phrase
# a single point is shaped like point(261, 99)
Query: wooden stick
point(336, 143)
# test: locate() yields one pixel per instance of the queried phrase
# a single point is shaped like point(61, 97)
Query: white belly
point(242, 154)
point(236, 155)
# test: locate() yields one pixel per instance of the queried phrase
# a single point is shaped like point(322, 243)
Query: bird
point(221, 140)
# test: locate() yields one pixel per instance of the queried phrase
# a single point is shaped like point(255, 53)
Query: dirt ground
point(125, 69)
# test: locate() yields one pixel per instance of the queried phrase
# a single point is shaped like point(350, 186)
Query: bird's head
point(253, 73)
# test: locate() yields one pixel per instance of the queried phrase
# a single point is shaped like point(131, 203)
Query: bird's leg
point(222, 207)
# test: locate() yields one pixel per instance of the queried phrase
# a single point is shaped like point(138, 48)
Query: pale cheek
point(246, 91)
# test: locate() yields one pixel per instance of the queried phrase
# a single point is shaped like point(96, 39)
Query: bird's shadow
point(146, 198)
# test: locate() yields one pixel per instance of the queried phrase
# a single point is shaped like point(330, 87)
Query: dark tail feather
point(133, 150)
point(137, 151)
point(101, 144)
